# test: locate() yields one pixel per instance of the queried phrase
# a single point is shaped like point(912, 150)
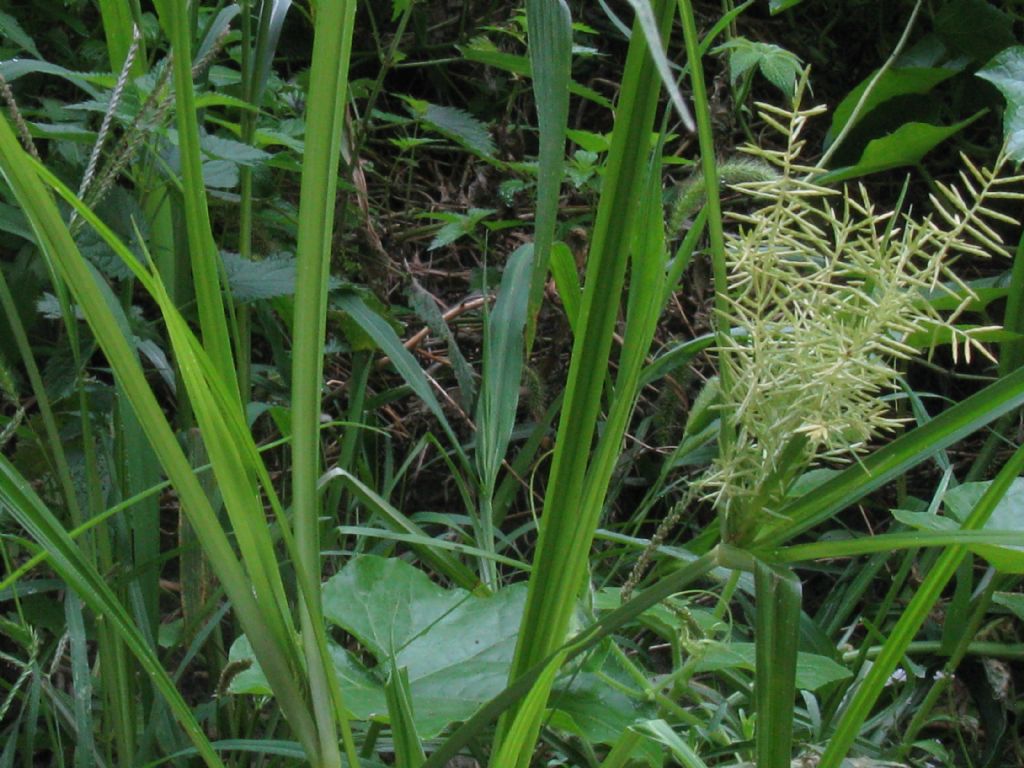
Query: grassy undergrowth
point(391, 386)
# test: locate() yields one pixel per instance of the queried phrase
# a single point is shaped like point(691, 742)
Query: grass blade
point(499, 400)
point(777, 624)
point(549, 33)
point(573, 502)
point(913, 617)
point(73, 567)
point(887, 463)
point(205, 258)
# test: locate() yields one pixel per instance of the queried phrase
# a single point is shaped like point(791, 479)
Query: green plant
point(474, 597)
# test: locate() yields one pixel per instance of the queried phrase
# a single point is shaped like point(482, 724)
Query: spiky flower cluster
point(826, 295)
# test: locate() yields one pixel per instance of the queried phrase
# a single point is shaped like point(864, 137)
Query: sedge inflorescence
point(827, 294)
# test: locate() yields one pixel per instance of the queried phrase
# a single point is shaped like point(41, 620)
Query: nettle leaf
point(779, 66)
point(453, 123)
point(234, 151)
point(122, 213)
point(12, 30)
point(457, 648)
point(1006, 72)
point(266, 278)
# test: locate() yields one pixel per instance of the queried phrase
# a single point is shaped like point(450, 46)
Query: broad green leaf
point(976, 28)
point(887, 463)
point(1008, 515)
point(907, 145)
point(898, 81)
point(1006, 72)
point(457, 649)
point(812, 671)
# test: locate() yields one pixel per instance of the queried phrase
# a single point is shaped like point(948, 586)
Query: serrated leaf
point(1006, 72)
point(456, 124)
point(252, 280)
point(779, 66)
point(234, 151)
point(12, 30)
point(220, 174)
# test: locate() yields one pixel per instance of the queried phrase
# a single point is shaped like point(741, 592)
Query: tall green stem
point(327, 96)
point(716, 235)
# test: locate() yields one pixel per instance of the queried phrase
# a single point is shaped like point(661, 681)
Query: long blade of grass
point(499, 399)
point(328, 93)
point(408, 747)
point(385, 337)
point(79, 574)
point(913, 616)
point(204, 256)
point(777, 631)
point(439, 561)
point(24, 176)
point(567, 525)
point(885, 464)
point(549, 36)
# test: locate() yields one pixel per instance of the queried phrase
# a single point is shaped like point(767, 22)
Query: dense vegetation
point(587, 384)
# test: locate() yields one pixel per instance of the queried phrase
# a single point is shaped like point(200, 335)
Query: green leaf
point(974, 27)
point(549, 27)
point(779, 66)
point(885, 464)
point(457, 648)
point(813, 672)
point(1012, 601)
point(454, 123)
point(255, 279)
point(483, 51)
point(778, 6)
point(907, 145)
point(777, 623)
point(1006, 72)
point(892, 83)
point(11, 29)
point(1008, 515)
point(233, 151)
